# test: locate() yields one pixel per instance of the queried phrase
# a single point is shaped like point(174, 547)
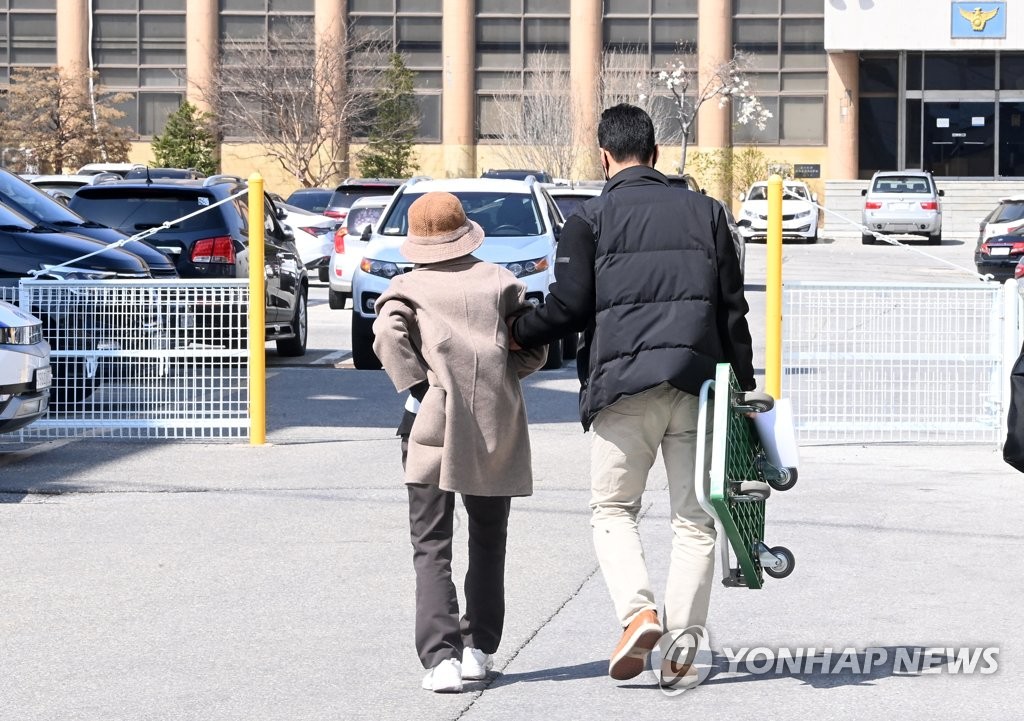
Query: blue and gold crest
point(978, 20)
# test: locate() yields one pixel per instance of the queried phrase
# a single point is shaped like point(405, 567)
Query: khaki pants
point(627, 437)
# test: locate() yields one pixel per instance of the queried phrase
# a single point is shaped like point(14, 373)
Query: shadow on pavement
point(591, 669)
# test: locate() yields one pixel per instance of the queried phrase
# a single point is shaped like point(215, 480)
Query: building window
point(412, 28)
point(522, 49)
point(28, 35)
point(138, 47)
point(641, 38)
point(785, 42)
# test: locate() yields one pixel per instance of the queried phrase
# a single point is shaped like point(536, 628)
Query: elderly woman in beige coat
point(441, 334)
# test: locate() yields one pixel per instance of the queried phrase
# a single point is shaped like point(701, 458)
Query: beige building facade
point(838, 78)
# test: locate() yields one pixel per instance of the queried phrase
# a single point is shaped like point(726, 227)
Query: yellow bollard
point(773, 292)
point(257, 313)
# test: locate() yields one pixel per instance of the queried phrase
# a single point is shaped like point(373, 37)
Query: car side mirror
point(942, 193)
point(288, 234)
point(367, 233)
point(279, 213)
point(558, 231)
point(864, 191)
point(743, 196)
point(814, 197)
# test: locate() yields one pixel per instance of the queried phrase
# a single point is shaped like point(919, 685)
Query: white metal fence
point(869, 362)
point(142, 359)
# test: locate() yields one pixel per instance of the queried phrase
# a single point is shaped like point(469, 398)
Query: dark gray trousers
point(440, 634)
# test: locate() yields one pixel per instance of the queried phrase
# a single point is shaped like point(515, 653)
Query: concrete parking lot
point(222, 581)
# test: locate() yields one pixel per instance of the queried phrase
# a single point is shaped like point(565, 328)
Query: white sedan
point(799, 212)
point(314, 237)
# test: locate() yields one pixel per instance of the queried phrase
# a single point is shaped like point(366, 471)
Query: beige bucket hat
point(439, 230)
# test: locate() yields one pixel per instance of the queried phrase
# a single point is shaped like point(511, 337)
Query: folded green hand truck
point(740, 480)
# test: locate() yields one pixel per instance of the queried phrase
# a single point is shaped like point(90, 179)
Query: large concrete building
point(853, 85)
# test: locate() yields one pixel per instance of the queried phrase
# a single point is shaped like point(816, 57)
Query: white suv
point(521, 225)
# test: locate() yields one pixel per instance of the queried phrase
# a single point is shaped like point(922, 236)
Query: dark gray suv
point(212, 244)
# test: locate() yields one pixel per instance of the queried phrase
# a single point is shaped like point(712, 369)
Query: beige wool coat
point(445, 323)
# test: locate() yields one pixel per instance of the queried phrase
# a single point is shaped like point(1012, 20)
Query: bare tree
point(725, 82)
point(51, 117)
point(536, 123)
point(301, 105)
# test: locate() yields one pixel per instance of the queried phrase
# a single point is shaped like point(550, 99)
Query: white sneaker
point(445, 677)
point(476, 664)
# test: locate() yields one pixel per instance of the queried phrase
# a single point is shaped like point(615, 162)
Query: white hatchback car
point(799, 212)
point(521, 225)
point(25, 375)
point(314, 236)
point(350, 240)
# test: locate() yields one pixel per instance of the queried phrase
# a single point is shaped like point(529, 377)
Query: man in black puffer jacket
point(648, 273)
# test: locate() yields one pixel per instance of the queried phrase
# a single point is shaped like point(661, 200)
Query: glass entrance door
point(959, 138)
point(1011, 139)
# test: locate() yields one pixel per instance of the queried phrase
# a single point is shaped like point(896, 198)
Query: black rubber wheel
point(787, 481)
point(71, 383)
point(363, 357)
point(935, 238)
point(867, 239)
point(296, 345)
point(336, 299)
point(321, 274)
point(554, 361)
point(569, 344)
point(788, 562)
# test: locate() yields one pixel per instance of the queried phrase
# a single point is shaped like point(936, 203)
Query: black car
point(50, 215)
point(999, 254)
point(146, 173)
point(211, 244)
point(315, 200)
point(29, 250)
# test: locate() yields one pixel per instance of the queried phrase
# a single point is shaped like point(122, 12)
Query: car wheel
point(935, 238)
point(296, 346)
point(813, 239)
point(554, 361)
point(569, 344)
point(363, 357)
point(336, 299)
point(867, 239)
point(71, 383)
point(321, 274)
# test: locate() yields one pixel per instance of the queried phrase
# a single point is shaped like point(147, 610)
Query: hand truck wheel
point(753, 402)
point(786, 562)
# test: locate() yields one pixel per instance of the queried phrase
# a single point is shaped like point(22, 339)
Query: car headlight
point(805, 214)
point(22, 335)
point(748, 213)
point(522, 268)
point(381, 268)
point(67, 272)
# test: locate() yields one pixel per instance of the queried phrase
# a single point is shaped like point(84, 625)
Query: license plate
point(44, 378)
point(898, 206)
point(1000, 251)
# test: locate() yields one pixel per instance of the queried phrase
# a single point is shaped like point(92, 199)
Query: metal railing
point(143, 358)
point(870, 362)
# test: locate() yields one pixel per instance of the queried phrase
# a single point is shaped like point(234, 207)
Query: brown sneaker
point(639, 638)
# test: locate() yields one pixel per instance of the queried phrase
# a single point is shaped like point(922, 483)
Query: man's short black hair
point(627, 133)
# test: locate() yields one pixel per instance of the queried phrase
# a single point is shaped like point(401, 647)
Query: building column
point(201, 33)
point(330, 25)
point(714, 47)
point(458, 106)
point(585, 51)
point(73, 40)
point(842, 130)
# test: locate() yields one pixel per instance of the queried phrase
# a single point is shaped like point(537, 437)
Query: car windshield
point(758, 192)
point(131, 211)
point(13, 218)
point(343, 197)
point(569, 203)
point(359, 218)
point(1009, 211)
point(33, 202)
point(499, 214)
point(901, 184)
point(796, 191)
point(314, 201)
